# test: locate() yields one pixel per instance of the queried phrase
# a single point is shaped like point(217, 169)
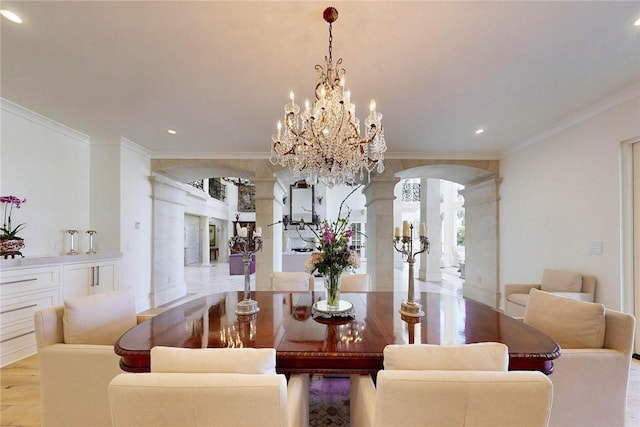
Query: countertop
point(56, 259)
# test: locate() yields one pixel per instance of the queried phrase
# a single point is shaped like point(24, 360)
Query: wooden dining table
point(353, 344)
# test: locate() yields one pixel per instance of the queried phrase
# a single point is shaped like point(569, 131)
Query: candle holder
point(91, 233)
point(72, 248)
point(404, 245)
point(247, 306)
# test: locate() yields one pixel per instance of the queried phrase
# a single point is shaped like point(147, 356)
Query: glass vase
point(332, 282)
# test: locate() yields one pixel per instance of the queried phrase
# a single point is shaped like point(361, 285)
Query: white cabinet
point(22, 292)
point(30, 284)
point(89, 278)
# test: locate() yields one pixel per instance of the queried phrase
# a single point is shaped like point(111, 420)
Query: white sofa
point(591, 376)
point(76, 356)
point(562, 283)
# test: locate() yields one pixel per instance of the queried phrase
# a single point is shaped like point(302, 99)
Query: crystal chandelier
point(324, 143)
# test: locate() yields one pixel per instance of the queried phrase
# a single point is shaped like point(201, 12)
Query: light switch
point(595, 248)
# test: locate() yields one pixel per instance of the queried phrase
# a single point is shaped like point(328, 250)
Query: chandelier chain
point(330, 43)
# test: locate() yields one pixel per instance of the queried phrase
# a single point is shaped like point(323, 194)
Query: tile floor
point(20, 386)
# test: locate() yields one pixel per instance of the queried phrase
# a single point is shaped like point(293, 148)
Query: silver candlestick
point(404, 245)
point(72, 249)
point(247, 305)
point(91, 233)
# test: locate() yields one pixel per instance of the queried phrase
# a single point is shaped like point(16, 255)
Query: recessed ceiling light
point(11, 16)
point(637, 23)
point(479, 131)
point(171, 131)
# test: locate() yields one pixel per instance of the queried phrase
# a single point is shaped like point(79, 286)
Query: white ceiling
point(220, 72)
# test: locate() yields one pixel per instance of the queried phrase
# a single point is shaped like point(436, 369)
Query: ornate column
point(380, 252)
point(481, 241)
point(430, 214)
point(268, 211)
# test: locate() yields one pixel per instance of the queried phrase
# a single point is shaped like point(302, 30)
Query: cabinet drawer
point(18, 347)
point(28, 280)
point(21, 309)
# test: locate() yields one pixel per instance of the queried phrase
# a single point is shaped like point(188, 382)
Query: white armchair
point(453, 398)
point(591, 376)
point(212, 387)
point(76, 356)
point(416, 359)
point(562, 283)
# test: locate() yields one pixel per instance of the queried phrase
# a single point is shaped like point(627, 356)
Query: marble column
point(430, 214)
point(380, 252)
point(481, 241)
point(268, 200)
point(167, 280)
point(204, 240)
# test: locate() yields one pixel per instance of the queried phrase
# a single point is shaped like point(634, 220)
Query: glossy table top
point(340, 345)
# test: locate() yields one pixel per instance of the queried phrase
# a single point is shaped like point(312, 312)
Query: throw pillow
point(569, 322)
point(98, 319)
point(560, 281)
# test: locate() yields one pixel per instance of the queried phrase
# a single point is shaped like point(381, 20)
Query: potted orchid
point(334, 254)
point(10, 243)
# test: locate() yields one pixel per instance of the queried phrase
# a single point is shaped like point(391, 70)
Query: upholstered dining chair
point(291, 281)
point(355, 283)
point(210, 387)
point(463, 385)
point(591, 376)
point(75, 353)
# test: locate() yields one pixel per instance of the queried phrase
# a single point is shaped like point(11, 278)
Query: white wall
point(135, 221)
point(48, 164)
point(73, 182)
point(562, 193)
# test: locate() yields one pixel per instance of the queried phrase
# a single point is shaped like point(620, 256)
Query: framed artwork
point(246, 198)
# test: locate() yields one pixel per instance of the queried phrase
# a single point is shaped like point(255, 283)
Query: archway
point(481, 218)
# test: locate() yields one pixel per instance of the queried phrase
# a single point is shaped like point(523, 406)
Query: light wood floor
point(20, 381)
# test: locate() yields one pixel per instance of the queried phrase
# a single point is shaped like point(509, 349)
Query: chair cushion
point(214, 360)
point(98, 319)
point(486, 356)
point(571, 323)
point(560, 281)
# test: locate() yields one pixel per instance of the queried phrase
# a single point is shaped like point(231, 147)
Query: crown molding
point(17, 110)
point(571, 121)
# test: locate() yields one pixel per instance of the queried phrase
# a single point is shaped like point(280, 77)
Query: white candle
point(396, 232)
point(405, 228)
point(423, 229)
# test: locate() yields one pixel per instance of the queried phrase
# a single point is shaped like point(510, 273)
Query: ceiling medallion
point(323, 143)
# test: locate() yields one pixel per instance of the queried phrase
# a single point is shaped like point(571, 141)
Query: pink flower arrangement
point(9, 232)
point(335, 254)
